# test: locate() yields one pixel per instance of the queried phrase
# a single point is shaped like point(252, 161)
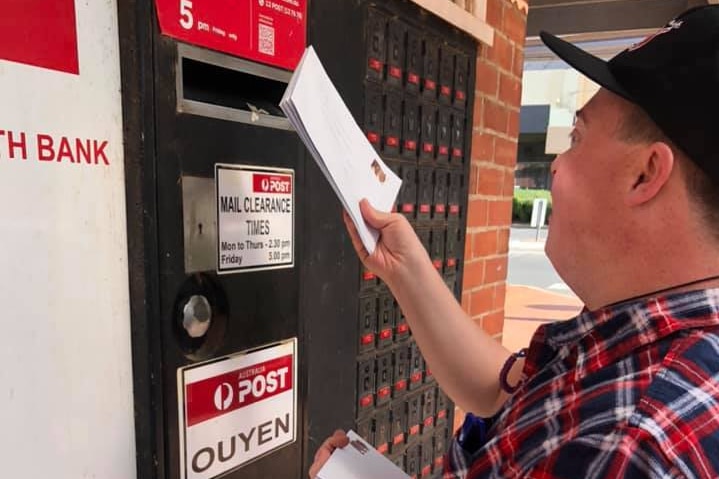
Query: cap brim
point(592, 67)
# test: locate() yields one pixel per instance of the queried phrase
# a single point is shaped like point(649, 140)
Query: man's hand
point(337, 440)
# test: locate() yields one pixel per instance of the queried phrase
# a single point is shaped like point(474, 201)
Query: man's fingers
point(375, 218)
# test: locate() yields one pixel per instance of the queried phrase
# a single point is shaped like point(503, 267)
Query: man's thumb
point(374, 218)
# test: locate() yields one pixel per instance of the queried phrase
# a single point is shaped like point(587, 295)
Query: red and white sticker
point(236, 409)
point(255, 218)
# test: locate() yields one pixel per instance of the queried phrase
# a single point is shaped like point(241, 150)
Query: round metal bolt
point(196, 316)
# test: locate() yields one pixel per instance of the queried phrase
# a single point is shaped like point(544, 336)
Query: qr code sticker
point(267, 39)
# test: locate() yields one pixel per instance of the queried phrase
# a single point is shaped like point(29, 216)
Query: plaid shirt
point(630, 391)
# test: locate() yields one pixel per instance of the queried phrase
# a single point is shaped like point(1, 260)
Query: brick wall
point(494, 155)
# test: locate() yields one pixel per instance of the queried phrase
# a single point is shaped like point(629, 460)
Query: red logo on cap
point(673, 25)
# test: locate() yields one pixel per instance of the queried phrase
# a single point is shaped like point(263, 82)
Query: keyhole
point(199, 228)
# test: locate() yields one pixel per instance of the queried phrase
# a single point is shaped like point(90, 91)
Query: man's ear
point(653, 172)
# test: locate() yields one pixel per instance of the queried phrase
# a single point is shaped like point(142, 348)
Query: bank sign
point(236, 409)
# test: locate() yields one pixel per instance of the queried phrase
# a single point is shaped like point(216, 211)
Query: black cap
point(673, 75)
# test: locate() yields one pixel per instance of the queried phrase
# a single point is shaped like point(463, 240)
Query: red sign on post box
point(266, 31)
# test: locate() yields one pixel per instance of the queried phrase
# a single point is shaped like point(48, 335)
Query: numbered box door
point(376, 45)
point(396, 53)
point(430, 73)
point(410, 128)
point(392, 123)
point(374, 116)
point(414, 61)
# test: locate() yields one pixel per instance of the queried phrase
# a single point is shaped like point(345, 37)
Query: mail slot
point(384, 378)
point(431, 68)
point(408, 192)
point(367, 322)
point(400, 370)
point(437, 248)
point(365, 385)
point(414, 61)
point(439, 203)
point(399, 425)
point(410, 129)
point(426, 193)
point(457, 146)
point(374, 116)
point(376, 44)
point(461, 71)
point(456, 185)
point(396, 52)
point(428, 410)
point(426, 457)
point(446, 75)
point(428, 133)
point(382, 428)
point(386, 321)
point(392, 123)
point(444, 134)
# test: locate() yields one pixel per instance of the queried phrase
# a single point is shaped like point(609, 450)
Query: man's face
point(587, 201)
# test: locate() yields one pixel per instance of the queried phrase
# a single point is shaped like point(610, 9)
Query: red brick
point(503, 241)
point(487, 78)
point(482, 146)
point(477, 213)
point(502, 52)
point(505, 152)
point(468, 251)
point(493, 323)
point(473, 274)
point(518, 61)
point(508, 188)
point(484, 243)
point(491, 182)
point(473, 175)
point(499, 213)
point(495, 270)
point(514, 25)
point(513, 128)
point(495, 12)
point(482, 301)
point(478, 111)
point(495, 116)
point(510, 90)
point(500, 292)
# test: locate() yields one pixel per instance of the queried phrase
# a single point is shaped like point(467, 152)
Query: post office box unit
point(444, 134)
point(451, 253)
point(414, 415)
point(430, 62)
point(428, 375)
point(365, 428)
point(425, 193)
point(401, 329)
point(384, 378)
point(457, 157)
point(412, 459)
point(413, 61)
point(439, 202)
point(428, 409)
point(416, 367)
point(382, 427)
point(428, 133)
point(455, 194)
point(397, 33)
point(367, 322)
point(407, 196)
point(446, 74)
point(365, 386)
point(376, 45)
point(410, 128)
point(386, 319)
point(426, 457)
point(461, 73)
point(399, 425)
point(368, 279)
point(374, 116)
point(442, 406)
point(400, 370)
point(436, 252)
point(392, 123)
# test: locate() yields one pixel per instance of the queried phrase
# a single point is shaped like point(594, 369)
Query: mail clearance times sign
point(236, 409)
point(255, 218)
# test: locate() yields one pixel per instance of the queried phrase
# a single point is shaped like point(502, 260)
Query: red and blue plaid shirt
point(630, 391)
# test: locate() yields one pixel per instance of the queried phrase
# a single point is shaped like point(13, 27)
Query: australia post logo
point(264, 183)
point(227, 392)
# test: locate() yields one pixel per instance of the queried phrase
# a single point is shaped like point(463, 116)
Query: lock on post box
point(437, 248)
point(396, 52)
point(457, 157)
point(374, 116)
point(400, 370)
point(456, 183)
point(384, 378)
point(430, 62)
point(399, 425)
point(386, 321)
point(428, 133)
point(392, 123)
point(413, 61)
point(426, 456)
point(425, 194)
point(439, 203)
point(444, 134)
point(446, 75)
point(367, 322)
point(382, 428)
point(428, 410)
point(410, 128)
point(461, 71)
point(365, 385)
point(376, 45)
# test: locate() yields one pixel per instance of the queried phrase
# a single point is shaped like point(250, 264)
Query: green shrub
point(522, 204)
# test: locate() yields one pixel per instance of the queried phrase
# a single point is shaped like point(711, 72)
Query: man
point(630, 387)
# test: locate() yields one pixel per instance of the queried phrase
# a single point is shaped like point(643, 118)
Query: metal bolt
point(196, 316)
